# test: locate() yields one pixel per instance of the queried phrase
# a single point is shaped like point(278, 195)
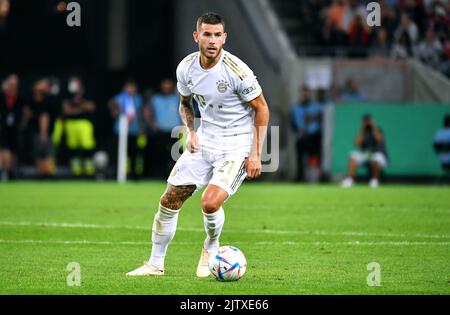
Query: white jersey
point(222, 93)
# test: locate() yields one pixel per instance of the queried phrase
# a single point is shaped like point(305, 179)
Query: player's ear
point(195, 35)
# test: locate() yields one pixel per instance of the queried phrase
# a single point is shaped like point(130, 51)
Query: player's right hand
point(192, 143)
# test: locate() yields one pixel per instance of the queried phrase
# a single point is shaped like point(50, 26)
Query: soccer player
point(225, 149)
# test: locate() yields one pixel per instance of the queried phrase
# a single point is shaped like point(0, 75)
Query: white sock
point(163, 231)
point(213, 227)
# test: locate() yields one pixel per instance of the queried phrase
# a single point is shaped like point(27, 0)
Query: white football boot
point(202, 268)
point(374, 183)
point(147, 270)
point(347, 182)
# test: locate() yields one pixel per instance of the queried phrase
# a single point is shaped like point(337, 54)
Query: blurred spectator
point(55, 88)
point(45, 109)
point(359, 36)
point(162, 116)
point(130, 103)
point(335, 92)
point(299, 124)
point(444, 64)
point(417, 11)
point(429, 50)
point(440, 18)
point(306, 118)
point(381, 46)
point(43, 112)
point(78, 114)
point(408, 26)
point(334, 33)
point(388, 20)
point(313, 126)
point(441, 144)
point(351, 92)
point(11, 121)
point(403, 48)
point(336, 13)
point(4, 12)
point(355, 12)
point(370, 150)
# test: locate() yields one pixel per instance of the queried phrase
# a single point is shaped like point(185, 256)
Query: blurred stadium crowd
point(51, 128)
point(409, 28)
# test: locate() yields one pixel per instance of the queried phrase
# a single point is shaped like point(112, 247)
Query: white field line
point(288, 243)
point(201, 230)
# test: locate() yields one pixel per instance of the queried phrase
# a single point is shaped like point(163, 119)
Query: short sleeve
point(249, 88)
point(181, 82)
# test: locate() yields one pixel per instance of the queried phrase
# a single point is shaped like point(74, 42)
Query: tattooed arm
point(253, 162)
point(187, 116)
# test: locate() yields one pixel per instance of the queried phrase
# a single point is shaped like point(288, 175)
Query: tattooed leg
point(165, 222)
point(175, 196)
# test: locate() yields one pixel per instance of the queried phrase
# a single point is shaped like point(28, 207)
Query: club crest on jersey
point(222, 86)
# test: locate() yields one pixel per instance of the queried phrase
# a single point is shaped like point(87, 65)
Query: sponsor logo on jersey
point(249, 89)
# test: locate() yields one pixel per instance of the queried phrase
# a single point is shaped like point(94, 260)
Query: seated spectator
point(130, 103)
point(429, 50)
point(441, 144)
point(43, 113)
point(78, 114)
point(370, 148)
point(351, 92)
point(162, 116)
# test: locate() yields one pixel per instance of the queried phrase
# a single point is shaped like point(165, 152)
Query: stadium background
point(145, 40)
point(319, 238)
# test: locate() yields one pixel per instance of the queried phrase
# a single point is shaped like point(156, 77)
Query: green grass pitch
point(298, 239)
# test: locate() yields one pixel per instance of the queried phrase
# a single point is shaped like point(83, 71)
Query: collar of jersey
point(215, 66)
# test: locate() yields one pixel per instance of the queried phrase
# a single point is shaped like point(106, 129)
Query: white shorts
point(362, 157)
point(225, 170)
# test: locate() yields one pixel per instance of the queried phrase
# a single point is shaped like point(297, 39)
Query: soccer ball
point(228, 263)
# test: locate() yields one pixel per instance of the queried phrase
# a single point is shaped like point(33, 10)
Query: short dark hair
point(210, 18)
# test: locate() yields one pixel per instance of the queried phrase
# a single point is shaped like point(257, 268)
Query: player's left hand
point(253, 167)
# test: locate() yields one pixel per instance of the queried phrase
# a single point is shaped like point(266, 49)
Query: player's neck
point(207, 63)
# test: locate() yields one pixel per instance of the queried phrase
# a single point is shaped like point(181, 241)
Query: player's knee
point(210, 205)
